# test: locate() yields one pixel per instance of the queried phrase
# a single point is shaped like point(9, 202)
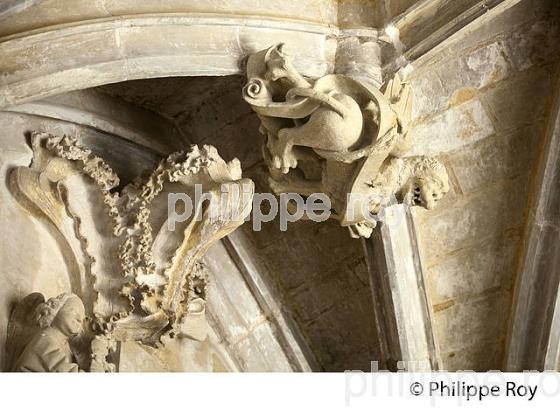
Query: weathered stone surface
point(265, 338)
point(514, 42)
point(49, 54)
point(457, 39)
point(489, 64)
point(236, 300)
point(262, 360)
point(55, 11)
point(452, 129)
point(457, 81)
point(475, 68)
point(534, 44)
point(360, 58)
point(494, 159)
point(430, 96)
point(460, 274)
point(396, 7)
point(474, 218)
point(481, 358)
point(471, 244)
point(472, 322)
point(524, 94)
point(358, 14)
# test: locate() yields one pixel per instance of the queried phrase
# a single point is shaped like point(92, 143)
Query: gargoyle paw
point(281, 155)
point(289, 160)
point(276, 162)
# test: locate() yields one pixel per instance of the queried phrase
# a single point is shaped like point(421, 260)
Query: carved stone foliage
point(139, 279)
point(339, 137)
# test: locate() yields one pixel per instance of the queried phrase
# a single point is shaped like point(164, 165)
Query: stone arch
point(52, 55)
point(72, 56)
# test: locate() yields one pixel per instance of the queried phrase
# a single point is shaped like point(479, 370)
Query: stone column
point(401, 313)
point(401, 310)
point(358, 55)
point(534, 340)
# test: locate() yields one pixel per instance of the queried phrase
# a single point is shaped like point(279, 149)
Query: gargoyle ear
point(277, 50)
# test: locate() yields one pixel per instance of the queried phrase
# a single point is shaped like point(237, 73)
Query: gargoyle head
point(269, 64)
point(263, 69)
point(429, 183)
point(271, 75)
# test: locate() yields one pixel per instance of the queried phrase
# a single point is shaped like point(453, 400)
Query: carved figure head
point(270, 74)
point(270, 64)
point(429, 183)
point(66, 312)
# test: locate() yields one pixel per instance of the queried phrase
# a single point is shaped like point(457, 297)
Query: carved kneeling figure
point(60, 319)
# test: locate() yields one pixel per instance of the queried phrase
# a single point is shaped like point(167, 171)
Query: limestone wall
point(480, 104)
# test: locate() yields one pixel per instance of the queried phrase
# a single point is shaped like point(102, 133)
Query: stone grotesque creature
point(337, 136)
point(420, 181)
point(334, 125)
point(416, 181)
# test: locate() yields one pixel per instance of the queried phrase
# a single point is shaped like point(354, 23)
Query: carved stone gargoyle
point(139, 278)
point(339, 137)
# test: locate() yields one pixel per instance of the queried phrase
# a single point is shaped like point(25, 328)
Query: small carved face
point(70, 317)
point(428, 191)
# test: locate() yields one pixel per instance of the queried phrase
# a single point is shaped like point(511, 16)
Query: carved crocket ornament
point(340, 137)
point(137, 276)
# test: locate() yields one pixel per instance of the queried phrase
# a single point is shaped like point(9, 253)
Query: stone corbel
point(138, 278)
point(341, 137)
